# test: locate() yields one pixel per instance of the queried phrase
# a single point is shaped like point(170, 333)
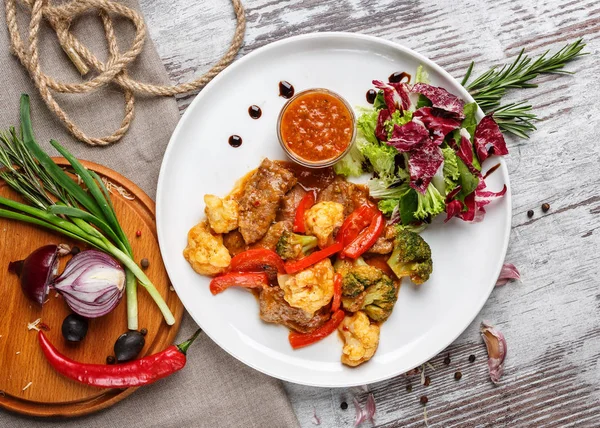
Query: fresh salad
point(424, 148)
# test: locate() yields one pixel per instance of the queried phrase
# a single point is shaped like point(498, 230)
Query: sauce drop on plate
point(235, 141)
point(398, 76)
point(371, 95)
point(286, 90)
point(316, 126)
point(254, 111)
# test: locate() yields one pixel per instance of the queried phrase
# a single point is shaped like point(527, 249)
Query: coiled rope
point(114, 70)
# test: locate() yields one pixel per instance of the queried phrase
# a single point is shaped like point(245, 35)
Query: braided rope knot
point(114, 70)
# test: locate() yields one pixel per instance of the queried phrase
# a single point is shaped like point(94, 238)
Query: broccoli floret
point(359, 278)
point(429, 204)
point(367, 288)
point(411, 257)
point(293, 246)
point(380, 299)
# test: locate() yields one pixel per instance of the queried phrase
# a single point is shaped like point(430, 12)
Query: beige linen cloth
point(214, 389)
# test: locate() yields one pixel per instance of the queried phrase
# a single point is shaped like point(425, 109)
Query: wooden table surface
point(551, 318)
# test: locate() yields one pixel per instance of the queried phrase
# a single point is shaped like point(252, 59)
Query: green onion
point(57, 203)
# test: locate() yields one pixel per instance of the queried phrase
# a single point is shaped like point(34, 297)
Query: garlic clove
point(496, 348)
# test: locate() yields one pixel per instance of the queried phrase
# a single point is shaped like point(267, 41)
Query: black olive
point(74, 328)
point(129, 345)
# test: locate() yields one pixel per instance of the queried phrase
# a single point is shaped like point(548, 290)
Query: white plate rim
point(431, 65)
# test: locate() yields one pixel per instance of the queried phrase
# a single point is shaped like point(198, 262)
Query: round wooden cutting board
point(21, 359)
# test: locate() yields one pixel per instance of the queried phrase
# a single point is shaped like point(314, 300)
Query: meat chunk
point(261, 199)
point(350, 195)
point(234, 242)
point(385, 243)
point(274, 309)
point(269, 241)
point(290, 203)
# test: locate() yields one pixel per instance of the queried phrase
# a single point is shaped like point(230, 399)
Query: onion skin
point(37, 271)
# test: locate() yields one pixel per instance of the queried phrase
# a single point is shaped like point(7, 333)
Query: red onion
point(92, 283)
point(37, 271)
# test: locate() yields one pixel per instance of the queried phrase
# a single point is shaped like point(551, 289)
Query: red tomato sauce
point(317, 126)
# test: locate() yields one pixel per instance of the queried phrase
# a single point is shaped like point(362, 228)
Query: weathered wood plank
point(551, 318)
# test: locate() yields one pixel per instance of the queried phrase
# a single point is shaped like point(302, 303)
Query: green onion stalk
point(57, 203)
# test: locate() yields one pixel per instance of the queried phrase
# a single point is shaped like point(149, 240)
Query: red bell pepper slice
point(258, 260)
point(238, 279)
point(366, 238)
point(307, 201)
point(355, 222)
point(300, 340)
point(337, 292)
point(317, 256)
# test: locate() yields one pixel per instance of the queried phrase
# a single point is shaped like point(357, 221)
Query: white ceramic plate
point(467, 257)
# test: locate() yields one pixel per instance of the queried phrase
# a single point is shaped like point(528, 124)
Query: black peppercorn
point(530, 213)
point(409, 388)
point(145, 263)
point(545, 207)
point(457, 375)
point(144, 331)
point(447, 360)
point(344, 405)
point(75, 250)
point(423, 399)
point(110, 359)
point(471, 358)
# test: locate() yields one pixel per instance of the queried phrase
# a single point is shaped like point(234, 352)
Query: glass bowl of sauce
point(316, 128)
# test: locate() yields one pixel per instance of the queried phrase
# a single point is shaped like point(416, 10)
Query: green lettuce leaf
point(366, 123)
point(450, 169)
point(379, 102)
point(470, 120)
point(387, 206)
point(350, 165)
point(397, 119)
point(467, 180)
point(421, 76)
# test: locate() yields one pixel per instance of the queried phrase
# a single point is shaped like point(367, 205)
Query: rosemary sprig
point(489, 88)
point(516, 118)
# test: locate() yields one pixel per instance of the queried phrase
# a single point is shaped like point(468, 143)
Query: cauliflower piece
point(322, 219)
point(222, 213)
point(205, 251)
point(361, 339)
point(310, 289)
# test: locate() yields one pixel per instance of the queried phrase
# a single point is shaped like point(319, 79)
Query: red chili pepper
point(337, 292)
point(239, 279)
point(134, 373)
point(299, 340)
point(366, 238)
point(317, 256)
point(307, 201)
point(355, 222)
point(258, 260)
